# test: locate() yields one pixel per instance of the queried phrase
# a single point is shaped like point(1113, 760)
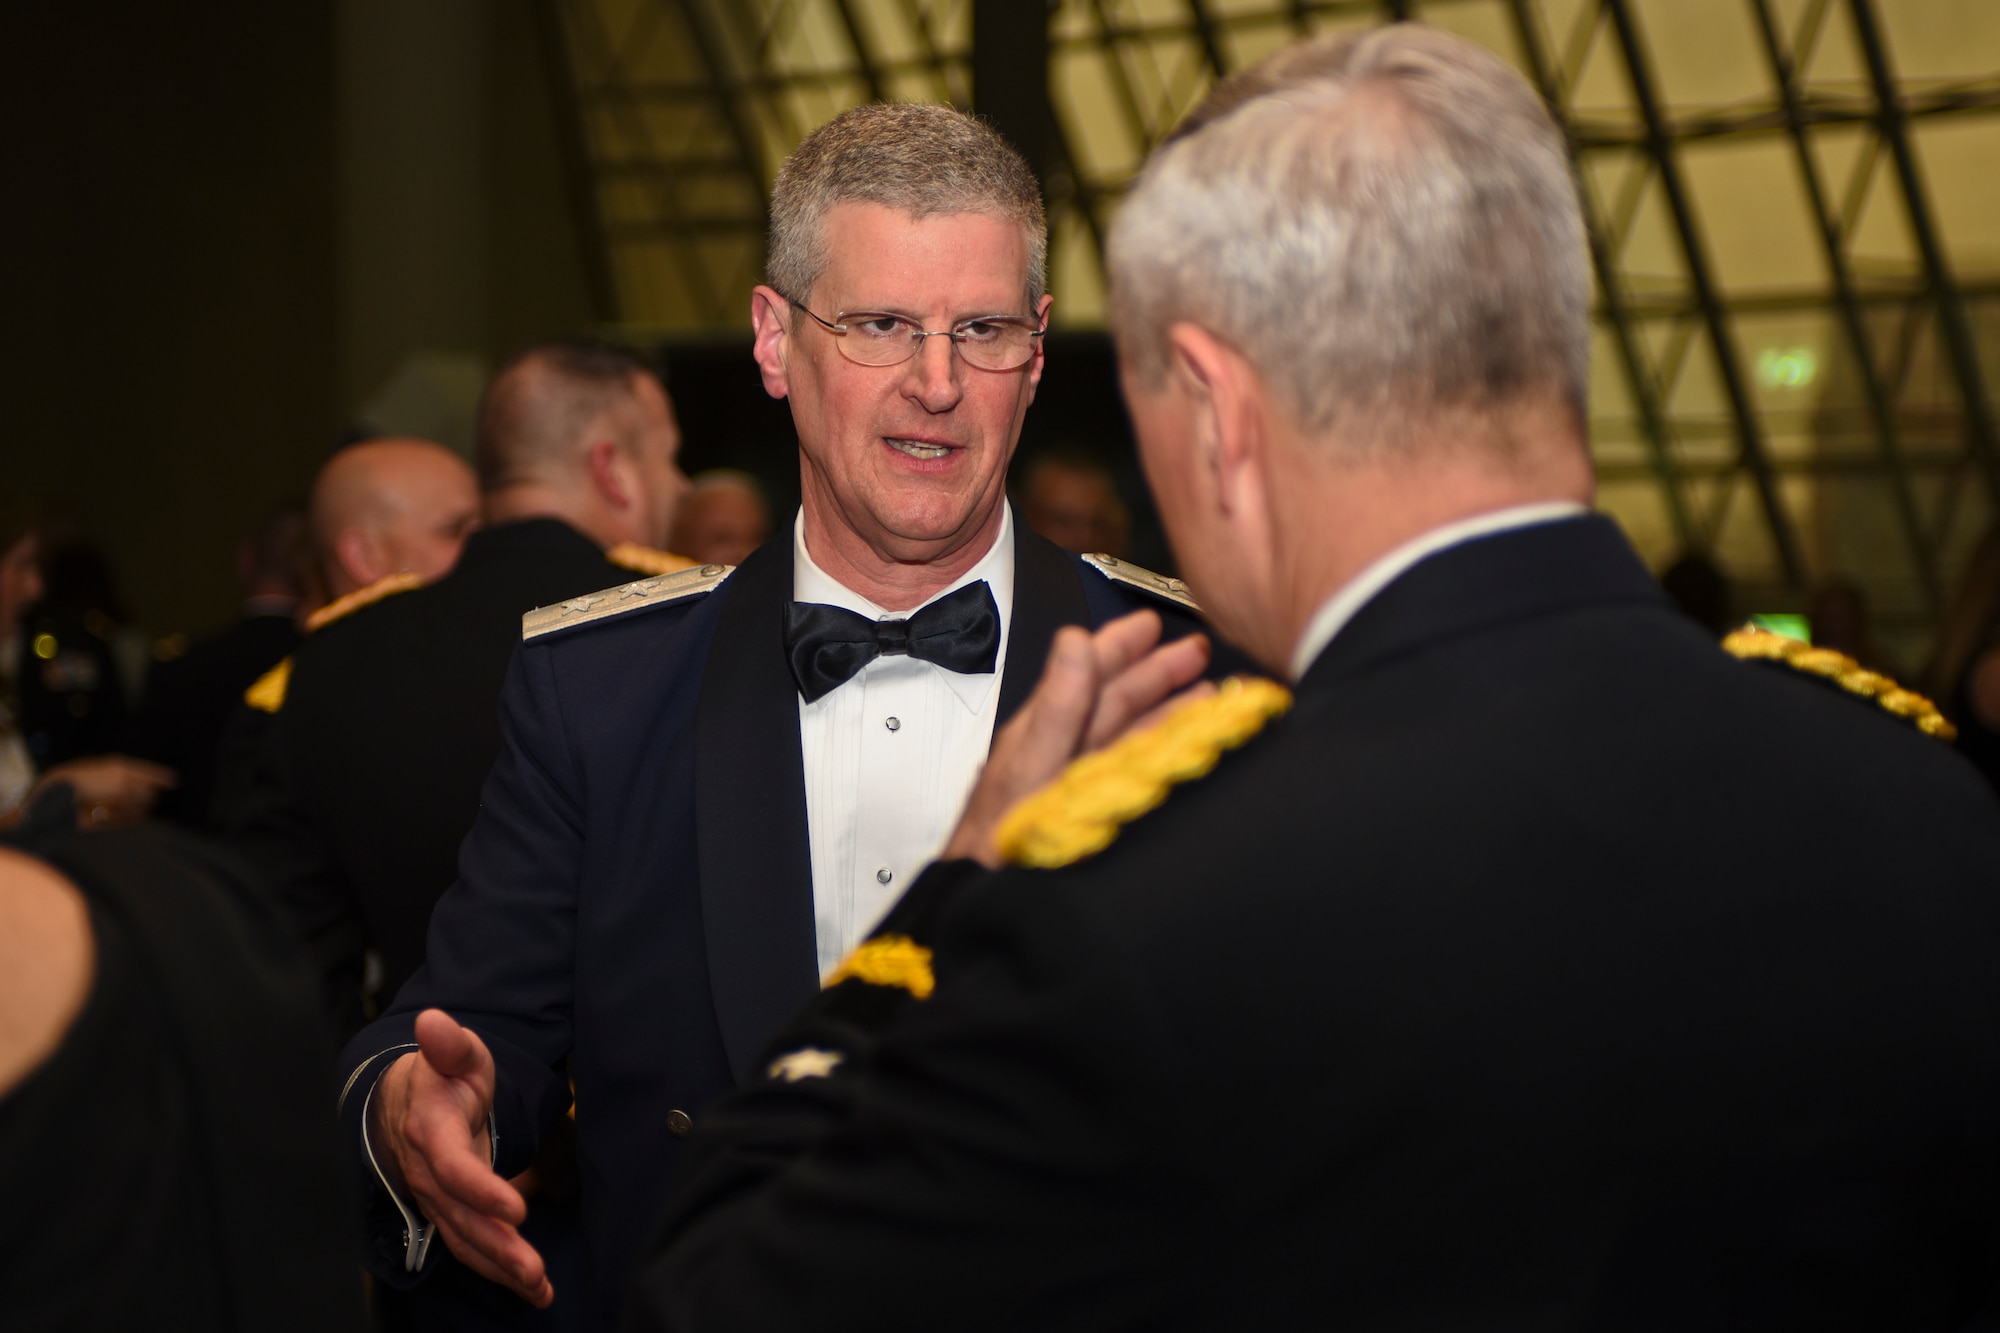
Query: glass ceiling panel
point(1798, 291)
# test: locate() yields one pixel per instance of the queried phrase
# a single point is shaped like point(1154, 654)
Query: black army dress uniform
point(1543, 967)
point(382, 736)
point(191, 698)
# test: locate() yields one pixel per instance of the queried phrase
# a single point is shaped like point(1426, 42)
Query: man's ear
point(359, 556)
point(769, 315)
point(1035, 365)
point(609, 474)
point(1225, 395)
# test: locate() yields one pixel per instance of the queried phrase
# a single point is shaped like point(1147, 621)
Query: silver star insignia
point(639, 589)
point(808, 1063)
point(580, 603)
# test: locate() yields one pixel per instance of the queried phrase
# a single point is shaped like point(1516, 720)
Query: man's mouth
point(918, 448)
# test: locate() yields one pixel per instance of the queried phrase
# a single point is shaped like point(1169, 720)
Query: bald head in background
point(581, 432)
point(391, 506)
point(723, 519)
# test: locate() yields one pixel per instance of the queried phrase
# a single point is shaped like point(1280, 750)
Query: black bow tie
point(827, 646)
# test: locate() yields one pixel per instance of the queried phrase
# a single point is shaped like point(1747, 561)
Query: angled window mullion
point(1121, 81)
point(1637, 378)
point(1806, 35)
point(1961, 350)
point(565, 82)
point(625, 105)
point(1211, 42)
point(1861, 178)
point(863, 57)
point(1880, 410)
point(1583, 31)
point(1750, 436)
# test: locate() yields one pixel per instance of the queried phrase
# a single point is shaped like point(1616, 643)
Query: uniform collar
point(1336, 611)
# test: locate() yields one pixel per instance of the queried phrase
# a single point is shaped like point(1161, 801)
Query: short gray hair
point(918, 158)
point(1385, 224)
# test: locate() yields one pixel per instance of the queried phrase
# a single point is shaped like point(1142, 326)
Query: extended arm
point(499, 961)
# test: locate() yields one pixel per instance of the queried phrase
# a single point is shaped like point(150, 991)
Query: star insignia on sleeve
point(811, 1062)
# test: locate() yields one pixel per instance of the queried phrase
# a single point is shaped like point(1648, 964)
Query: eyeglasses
point(992, 342)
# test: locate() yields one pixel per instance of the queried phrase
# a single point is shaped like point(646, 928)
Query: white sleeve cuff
point(417, 1229)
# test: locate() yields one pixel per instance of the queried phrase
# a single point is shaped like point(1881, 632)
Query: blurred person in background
point(1072, 499)
point(157, 1181)
point(190, 698)
point(108, 788)
point(391, 506)
point(1701, 590)
point(383, 515)
point(723, 519)
point(1964, 674)
point(20, 588)
point(372, 760)
point(1838, 617)
point(83, 661)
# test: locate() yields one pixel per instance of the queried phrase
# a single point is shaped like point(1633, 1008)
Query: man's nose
point(932, 375)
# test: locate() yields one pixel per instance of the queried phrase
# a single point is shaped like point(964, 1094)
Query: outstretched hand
point(427, 1124)
point(1096, 687)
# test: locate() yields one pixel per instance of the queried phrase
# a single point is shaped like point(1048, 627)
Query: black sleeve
point(994, 1155)
point(271, 831)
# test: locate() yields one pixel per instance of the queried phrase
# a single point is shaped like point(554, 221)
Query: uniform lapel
point(1048, 594)
point(750, 814)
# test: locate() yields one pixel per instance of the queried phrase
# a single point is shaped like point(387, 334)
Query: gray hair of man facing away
point(543, 406)
point(1385, 224)
point(919, 159)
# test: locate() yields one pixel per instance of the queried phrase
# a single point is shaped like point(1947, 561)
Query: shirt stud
point(884, 875)
point(893, 723)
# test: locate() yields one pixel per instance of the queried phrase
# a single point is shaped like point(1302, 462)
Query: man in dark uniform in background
point(191, 697)
point(711, 784)
point(371, 764)
point(1544, 967)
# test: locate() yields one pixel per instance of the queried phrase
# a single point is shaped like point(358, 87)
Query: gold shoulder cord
point(647, 559)
point(1079, 814)
point(387, 586)
point(1758, 645)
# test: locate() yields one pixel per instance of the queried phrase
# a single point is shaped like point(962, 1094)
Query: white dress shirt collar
point(1336, 611)
point(810, 583)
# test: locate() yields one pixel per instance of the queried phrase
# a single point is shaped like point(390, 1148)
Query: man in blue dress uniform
point(712, 784)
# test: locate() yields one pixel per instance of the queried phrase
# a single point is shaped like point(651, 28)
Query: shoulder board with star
point(1145, 580)
point(642, 595)
point(1751, 644)
point(647, 559)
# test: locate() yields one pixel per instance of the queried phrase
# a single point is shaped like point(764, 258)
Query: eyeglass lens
point(887, 340)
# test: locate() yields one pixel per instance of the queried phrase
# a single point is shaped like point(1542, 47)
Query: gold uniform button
point(678, 1124)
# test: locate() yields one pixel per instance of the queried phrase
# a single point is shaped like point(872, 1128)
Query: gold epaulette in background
point(647, 560)
point(387, 586)
point(267, 694)
point(1145, 580)
point(1080, 813)
point(643, 595)
point(1758, 645)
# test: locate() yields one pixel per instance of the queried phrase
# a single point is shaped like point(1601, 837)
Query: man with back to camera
point(1536, 964)
point(371, 765)
point(390, 506)
point(710, 785)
